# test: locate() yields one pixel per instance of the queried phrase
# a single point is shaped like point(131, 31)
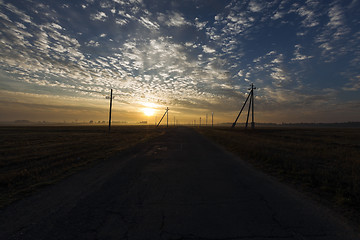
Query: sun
point(148, 111)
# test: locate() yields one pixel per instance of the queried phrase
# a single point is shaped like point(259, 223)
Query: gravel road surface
point(179, 186)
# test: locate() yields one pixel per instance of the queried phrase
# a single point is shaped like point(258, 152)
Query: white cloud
point(310, 17)
point(279, 76)
point(24, 17)
point(149, 24)
point(200, 25)
point(255, 6)
point(2, 15)
point(336, 17)
point(99, 16)
point(207, 49)
point(298, 56)
point(93, 43)
point(278, 15)
point(57, 26)
point(121, 21)
point(173, 19)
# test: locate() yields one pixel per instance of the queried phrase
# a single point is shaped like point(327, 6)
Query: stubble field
point(319, 161)
point(34, 156)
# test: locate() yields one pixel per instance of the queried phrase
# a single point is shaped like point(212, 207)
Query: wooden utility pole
point(248, 114)
point(251, 108)
point(111, 97)
point(167, 116)
point(233, 125)
point(212, 119)
point(252, 105)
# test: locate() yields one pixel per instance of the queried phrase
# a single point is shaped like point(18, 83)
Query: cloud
point(353, 85)
point(2, 15)
point(23, 16)
point(207, 49)
point(336, 17)
point(99, 16)
point(309, 15)
point(298, 56)
point(164, 55)
point(172, 19)
point(149, 24)
point(121, 21)
point(255, 6)
point(200, 25)
point(279, 76)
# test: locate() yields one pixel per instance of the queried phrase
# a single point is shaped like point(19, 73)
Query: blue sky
point(59, 59)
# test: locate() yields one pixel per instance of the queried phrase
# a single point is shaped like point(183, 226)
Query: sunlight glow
point(148, 111)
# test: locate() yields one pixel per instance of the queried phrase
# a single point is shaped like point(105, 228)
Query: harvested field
point(34, 156)
point(323, 162)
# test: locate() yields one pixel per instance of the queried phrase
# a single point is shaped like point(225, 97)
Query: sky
point(59, 59)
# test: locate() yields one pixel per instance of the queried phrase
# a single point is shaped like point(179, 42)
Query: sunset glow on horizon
point(59, 60)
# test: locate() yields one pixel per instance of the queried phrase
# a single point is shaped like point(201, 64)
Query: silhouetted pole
point(233, 125)
point(248, 114)
point(110, 109)
point(167, 117)
point(212, 119)
point(252, 111)
point(251, 108)
point(206, 119)
point(167, 110)
point(174, 121)
point(200, 122)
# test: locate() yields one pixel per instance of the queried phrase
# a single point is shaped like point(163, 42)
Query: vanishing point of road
point(178, 186)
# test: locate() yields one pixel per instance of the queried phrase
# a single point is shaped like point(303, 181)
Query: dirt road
point(180, 186)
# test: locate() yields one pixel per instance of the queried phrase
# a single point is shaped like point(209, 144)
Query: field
point(31, 157)
point(322, 162)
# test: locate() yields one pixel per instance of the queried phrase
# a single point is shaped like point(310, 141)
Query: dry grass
point(325, 162)
point(34, 156)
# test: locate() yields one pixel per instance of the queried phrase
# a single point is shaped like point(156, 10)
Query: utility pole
point(206, 119)
point(167, 116)
point(200, 122)
point(248, 114)
point(174, 121)
point(212, 119)
point(233, 125)
point(252, 110)
point(111, 97)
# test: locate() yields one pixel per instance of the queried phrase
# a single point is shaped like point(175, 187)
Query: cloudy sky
point(59, 59)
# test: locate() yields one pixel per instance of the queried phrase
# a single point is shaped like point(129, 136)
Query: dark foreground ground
point(178, 186)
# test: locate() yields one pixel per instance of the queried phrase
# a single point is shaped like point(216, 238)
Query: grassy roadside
point(322, 162)
point(34, 156)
